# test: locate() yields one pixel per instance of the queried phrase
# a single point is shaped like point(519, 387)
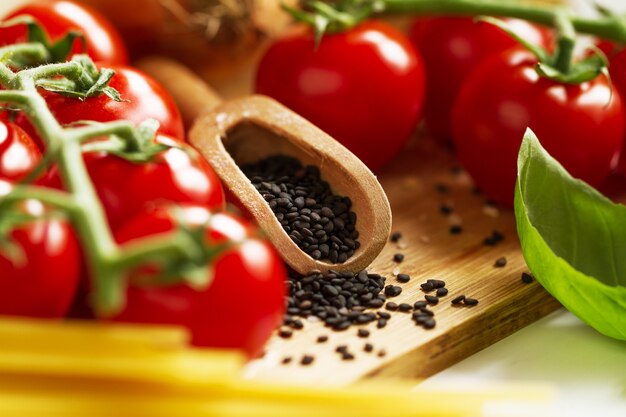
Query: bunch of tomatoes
point(471, 84)
point(46, 276)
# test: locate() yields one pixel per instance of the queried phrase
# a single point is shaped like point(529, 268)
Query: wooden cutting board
point(418, 183)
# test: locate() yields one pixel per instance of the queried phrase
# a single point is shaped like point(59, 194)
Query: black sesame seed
point(395, 237)
point(458, 300)
point(322, 339)
point(306, 207)
point(398, 257)
point(404, 278)
point(381, 323)
point(470, 301)
point(429, 323)
point(391, 306)
point(383, 315)
point(437, 283)
point(404, 307)
point(347, 356)
point(363, 333)
point(307, 360)
point(341, 349)
point(420, 304)
point(431, 299)
point(285, 333)
point(527, 278)
point(442, 292)
point(368, 347)
point(392, 290)
point(500, 262)
point(382, 353)
point(446, 209)
point(456, 229)
point(427, 286)
point(286, 360)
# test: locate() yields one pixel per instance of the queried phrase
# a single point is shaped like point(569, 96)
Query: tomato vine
point(107, 262)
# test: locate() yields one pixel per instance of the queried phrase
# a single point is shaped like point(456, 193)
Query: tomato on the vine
point(19, 154)
point(41, 277)
point(104, 43)
point(581, 125)
point(245, 301)
point(178, 174)
point(364, 87)
point(142, 98)
point(452, 47)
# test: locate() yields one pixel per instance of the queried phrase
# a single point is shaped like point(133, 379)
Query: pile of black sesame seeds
point(321, 223)
point(339, 299)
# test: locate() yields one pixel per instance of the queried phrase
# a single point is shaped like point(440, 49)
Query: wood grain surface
point(414, 186)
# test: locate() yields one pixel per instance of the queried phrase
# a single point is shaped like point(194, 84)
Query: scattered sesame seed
point(307, 359)
point(404, 278)
point(527, 278)
point(500, 262)
point(431, 299)
point(456, 229)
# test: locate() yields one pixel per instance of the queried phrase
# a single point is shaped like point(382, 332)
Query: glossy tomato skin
point(243, 305)
point(617, 69)
point(104, 43)
point(452, 47)
point(364, 87)
point(177, 175)
point(19, 154)
point(143, 98)
point(582, 126)
point(43, 284)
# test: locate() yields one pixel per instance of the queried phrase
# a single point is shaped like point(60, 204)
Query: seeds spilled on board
point(321, 223)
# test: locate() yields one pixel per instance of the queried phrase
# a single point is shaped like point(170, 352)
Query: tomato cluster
point(365, 87)
point(42, 271)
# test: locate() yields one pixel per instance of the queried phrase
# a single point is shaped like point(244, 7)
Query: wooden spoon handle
point(192, 94)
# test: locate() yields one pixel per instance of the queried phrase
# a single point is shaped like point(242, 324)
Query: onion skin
point(164, 27)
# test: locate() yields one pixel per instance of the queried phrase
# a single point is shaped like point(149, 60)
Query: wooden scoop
point(246, 130)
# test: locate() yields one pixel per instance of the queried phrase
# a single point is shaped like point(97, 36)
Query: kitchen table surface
point(586, 369)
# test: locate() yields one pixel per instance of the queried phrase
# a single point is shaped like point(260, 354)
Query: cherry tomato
point(104, 43)
point(617, 69)
point(452, 47)
point(143, 98)
point(178, 174)
point(364, 87)
point(43, 282)
point(243, 305)
point(582, 126)
point(18, 153)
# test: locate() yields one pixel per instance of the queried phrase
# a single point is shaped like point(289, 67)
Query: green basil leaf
point(573, 239)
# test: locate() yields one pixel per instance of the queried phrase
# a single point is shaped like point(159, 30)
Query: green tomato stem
point(168, 247)
point(107, 262)
point(54, 198)
point(563, 57)
point(605, 27)
point(34, 50)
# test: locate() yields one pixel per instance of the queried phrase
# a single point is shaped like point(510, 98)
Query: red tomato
point(43, 283)
point(452, 47)
point(617, 69)
point(104, 43)
point(18, 153)
point(143, 98)
point(364, 87)
point(177, 175)
point(582, 126)
point(243, 305)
